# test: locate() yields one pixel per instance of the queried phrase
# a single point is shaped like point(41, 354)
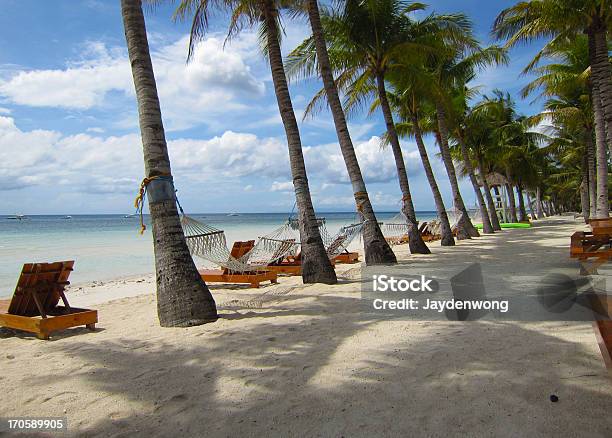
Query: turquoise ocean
point(107, 247)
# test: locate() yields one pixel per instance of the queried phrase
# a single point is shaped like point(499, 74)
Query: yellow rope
point(361, 198)
point(139, 201)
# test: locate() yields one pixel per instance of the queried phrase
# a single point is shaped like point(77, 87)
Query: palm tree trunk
point(539, 206)
point(598, 77)
point(591, 169)
point(316, 266)
point(584, 188)
point(487, 192)
point(415, 241)
point(377, 250)
point(465, 228)
point(601, 73)
point(534, 216)
point(511, 203)
point(601, 159)
point(445, 228)
point(521, 209)
point(487, 227)
point(183, 299)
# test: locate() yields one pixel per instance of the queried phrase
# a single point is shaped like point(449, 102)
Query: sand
point(295, 360)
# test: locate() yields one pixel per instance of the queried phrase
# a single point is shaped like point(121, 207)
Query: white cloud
point(281, 186)
point(213, 83)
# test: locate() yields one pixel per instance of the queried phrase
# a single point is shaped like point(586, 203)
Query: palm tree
point(565, 83)
point(460, 122)
point(316, 266)
point(183, 299)
point(376, 248)
point(408, 105)
point(478, 136)
point(365, 40)
point(452, 67)
point(564, 20)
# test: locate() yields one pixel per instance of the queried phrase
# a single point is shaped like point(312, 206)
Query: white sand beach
point(295, 360)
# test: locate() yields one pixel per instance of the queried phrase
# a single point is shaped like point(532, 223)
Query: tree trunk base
point(377, 250)
point(415, 241)
point(317, 268)
point(447, 240)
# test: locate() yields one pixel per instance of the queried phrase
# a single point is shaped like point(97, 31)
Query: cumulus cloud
point(100, 165)
point(281, 186)
point(215, 81)
point(377, 165)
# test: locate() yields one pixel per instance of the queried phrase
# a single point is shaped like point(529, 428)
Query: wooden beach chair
point(252, 278)
point(35, 304)
point(602, 325)
point(347, 257)
point(586, 246)
point(290, 265)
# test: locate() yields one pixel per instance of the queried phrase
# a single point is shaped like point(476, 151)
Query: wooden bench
point(34, 307)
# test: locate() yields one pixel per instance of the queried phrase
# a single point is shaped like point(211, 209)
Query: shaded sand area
point(294, 360)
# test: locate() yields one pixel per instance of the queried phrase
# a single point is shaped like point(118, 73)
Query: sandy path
point(293, 360)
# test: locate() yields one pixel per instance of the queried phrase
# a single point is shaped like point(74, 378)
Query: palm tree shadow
point(324, 373)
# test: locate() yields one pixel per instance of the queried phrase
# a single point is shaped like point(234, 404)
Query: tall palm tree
point(562, 20)
point(407, 105)
point(376, 248)
point(316, 266)
point(451, 67)
point(183, 299)
point(460, 123)
point(478, 137)
point(365, 40)
point(565, 84)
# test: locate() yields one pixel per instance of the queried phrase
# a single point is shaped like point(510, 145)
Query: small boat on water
point(128, 216)
point(67, 217)
point(19, 217)
point(233, 214)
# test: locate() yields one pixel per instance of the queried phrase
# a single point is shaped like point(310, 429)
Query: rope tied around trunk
point(360, 199)
point(142, 193)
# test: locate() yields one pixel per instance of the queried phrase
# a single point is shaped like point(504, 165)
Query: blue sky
point(69, 139)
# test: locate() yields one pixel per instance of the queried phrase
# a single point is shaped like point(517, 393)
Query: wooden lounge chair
point(290, 265)
point(584, 246)
point(602, 326)
point(253, 278)
point(34, 307)
point(426, 234)
point(347, 257)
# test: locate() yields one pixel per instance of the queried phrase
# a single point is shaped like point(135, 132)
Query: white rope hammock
point(334, 244)
point(209, 243)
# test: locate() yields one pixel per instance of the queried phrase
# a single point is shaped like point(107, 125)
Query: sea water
point(107, 247)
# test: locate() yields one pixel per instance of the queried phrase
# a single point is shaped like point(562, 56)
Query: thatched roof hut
point(493, 179)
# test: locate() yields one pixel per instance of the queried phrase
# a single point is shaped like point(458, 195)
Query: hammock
point(210, 244)
point(395, 229)
point(334, 244)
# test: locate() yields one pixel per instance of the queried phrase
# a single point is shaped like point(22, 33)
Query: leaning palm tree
point(563, 20)
point(183, 299)
point(316, 266)
point(408, 105)
point(451, 68)
point(564, 83)
point(365, 40)
point(376, 248)
point(464, 156)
